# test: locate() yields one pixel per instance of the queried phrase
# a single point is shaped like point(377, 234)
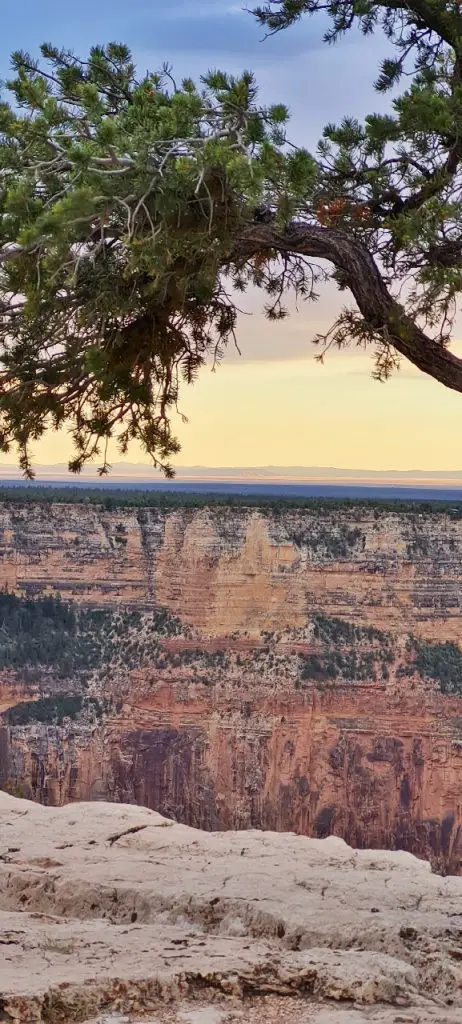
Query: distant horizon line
point(144, 473)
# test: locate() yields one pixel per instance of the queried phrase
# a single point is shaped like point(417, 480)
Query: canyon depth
point(234, 668)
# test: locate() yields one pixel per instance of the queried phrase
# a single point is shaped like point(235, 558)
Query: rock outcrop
point(117, 911)
point(234, 668)
point(226, 569)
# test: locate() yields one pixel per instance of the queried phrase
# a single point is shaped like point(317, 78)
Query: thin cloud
point(175, 12)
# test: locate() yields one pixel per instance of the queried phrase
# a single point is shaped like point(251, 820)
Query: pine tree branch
point(14, 252)
point(278, 15)
point(359, 273)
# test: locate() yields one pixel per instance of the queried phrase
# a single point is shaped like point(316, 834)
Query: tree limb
point(359, 272)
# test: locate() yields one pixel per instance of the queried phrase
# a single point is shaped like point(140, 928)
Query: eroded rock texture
point(116, 914)
point(233, 668)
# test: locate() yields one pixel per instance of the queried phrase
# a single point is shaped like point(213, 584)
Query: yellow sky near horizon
point(296, 412)
point(276, 405)
point(299, 413)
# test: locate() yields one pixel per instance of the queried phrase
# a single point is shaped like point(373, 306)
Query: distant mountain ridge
point(126, 471)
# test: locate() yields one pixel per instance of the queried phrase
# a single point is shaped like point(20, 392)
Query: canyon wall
point(239, 668)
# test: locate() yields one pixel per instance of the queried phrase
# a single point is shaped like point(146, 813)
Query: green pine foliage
point(133, 209)
point(122, 198)
point(343, 543)
point(48, 641)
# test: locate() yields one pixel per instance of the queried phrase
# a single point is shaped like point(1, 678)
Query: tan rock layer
point(224, 570)
point(377, 763)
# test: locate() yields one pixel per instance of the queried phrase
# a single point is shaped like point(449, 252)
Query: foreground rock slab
point(111, 914)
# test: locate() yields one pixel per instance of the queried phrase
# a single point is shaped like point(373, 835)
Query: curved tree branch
point(359, 272)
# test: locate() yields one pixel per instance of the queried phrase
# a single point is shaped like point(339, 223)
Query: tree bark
point(361, 275)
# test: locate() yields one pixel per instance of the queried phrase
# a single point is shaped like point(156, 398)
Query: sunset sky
point(274, 404)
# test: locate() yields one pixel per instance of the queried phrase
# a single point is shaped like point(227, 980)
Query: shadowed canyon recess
point(236, 668)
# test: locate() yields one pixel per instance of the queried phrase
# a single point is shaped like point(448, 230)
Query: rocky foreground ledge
point(113, 914)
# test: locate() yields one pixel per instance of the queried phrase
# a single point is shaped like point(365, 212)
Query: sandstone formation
point(118, 912)
point(218, 686)
point(227, 569)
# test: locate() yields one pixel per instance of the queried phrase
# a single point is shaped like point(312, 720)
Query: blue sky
point(303, 414)
point(318, 83)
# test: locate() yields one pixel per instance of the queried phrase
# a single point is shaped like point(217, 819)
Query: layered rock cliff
point(235, 668)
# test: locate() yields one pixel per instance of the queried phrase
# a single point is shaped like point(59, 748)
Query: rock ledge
point(112, 913)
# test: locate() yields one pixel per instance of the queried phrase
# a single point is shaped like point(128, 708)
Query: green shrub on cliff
point(337, 542)
point(53, 710)
point(48, 709)
point(441, 662)
point(48, 632)
point(348, 652)
point(331, 629)
point(67, 642)
point(351, 665)
point(166, 624)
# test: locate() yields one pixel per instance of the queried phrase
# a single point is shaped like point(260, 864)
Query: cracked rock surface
point(112, 914)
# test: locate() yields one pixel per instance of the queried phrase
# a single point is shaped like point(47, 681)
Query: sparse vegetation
point(113, 498)
point(57, 649)
point(350, 665)
point(440, 662)
point(418, 547)
point(335, 630)
point(52, 710)
point(166, 624)
point(350, 652)
point(337, 542)
point(49, 633)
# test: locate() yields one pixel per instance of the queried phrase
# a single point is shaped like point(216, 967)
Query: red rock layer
point(377, 763)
